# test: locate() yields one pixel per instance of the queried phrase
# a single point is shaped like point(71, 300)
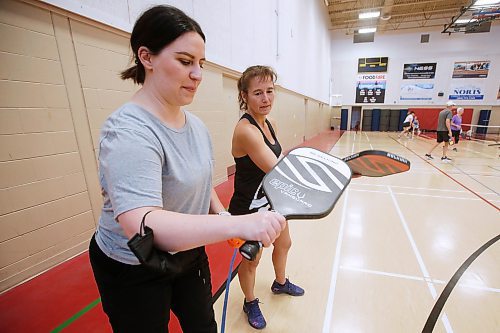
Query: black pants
point(139, 300)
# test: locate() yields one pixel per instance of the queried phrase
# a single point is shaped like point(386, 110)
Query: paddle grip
point(248, 249)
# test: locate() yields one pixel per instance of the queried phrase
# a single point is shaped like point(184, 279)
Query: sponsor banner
point(370, 88)
point(471, 69)
point(419, 71)
point(372, 77)
point(369, 65)
point(416, 92)
point(466, 92)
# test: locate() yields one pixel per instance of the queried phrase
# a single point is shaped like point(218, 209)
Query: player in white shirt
point(407, 123)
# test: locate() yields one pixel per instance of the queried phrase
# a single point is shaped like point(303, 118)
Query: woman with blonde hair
point(256, 149)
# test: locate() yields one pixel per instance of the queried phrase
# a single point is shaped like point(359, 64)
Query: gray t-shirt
point(443, 115)
point(142, 162)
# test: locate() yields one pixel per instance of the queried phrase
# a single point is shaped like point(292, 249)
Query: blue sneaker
point(287, 288)
point(255, 317)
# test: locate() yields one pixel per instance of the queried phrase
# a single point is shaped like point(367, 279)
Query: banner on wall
point(471, 69)
point(419, 71)
point(373, 65)
point(466, 92)
point(416, 92)
point(370, 88)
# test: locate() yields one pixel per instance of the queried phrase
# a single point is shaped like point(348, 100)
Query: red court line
point(48, 300)
point(456, 181)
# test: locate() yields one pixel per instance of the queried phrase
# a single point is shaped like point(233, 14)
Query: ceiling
point(394, 14)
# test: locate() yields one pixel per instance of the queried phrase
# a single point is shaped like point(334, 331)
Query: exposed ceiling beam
point(442, 12)
point(391, 27)
point(357, 9)
point(397, 14)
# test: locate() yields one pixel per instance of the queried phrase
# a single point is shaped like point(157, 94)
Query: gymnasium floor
point(381, 259)
point(378, 263)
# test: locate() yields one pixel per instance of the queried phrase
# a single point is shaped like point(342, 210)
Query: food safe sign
point(370, 88)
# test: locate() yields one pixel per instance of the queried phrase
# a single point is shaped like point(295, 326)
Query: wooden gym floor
point(397, 254)
point(380, 261)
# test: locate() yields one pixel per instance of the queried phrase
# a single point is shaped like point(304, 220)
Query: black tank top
point(248, 196)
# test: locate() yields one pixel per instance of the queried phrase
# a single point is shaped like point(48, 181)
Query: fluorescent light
point(463, 21)
point(369, 15)
point(366, 30)
point(485, 2)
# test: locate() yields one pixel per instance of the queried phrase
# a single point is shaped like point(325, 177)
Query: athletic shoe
point(429, 156)
point(455, 149)
point(287, 288)
point(445, 159)
point(255, 317)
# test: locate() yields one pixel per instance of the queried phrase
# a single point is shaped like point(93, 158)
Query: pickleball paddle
point(305, 184)
point(376, 163)
point(304, 163)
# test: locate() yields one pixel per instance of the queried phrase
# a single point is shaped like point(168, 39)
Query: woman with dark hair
point(155, 166)
point(256, 150)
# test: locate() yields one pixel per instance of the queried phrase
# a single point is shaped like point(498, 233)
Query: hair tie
point(136, 61)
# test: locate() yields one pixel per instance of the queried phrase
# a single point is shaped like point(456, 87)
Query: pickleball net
point(482, 132)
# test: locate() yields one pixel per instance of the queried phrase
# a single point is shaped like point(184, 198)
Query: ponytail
point(136, 73)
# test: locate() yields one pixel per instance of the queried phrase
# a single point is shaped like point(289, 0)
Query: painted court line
point(416, 278)
point(416, 188)
point(420, 195)
point(438, 306)
point(368, 139)
point(474, 179)
point(420, 261)
point(336, 264)
point(453, 179)
point(76, 316)
point(439, 196)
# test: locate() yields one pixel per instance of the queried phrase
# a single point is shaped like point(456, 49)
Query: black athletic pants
point(138, 300)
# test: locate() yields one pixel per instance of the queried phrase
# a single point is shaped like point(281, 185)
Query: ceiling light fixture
point(486, 2)
point(369, 15)
point(366, 30)
point(466, 20)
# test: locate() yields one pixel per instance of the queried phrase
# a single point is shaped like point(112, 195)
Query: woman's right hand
point(261, 226)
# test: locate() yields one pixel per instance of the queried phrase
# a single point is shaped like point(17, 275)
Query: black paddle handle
point(250, 249)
